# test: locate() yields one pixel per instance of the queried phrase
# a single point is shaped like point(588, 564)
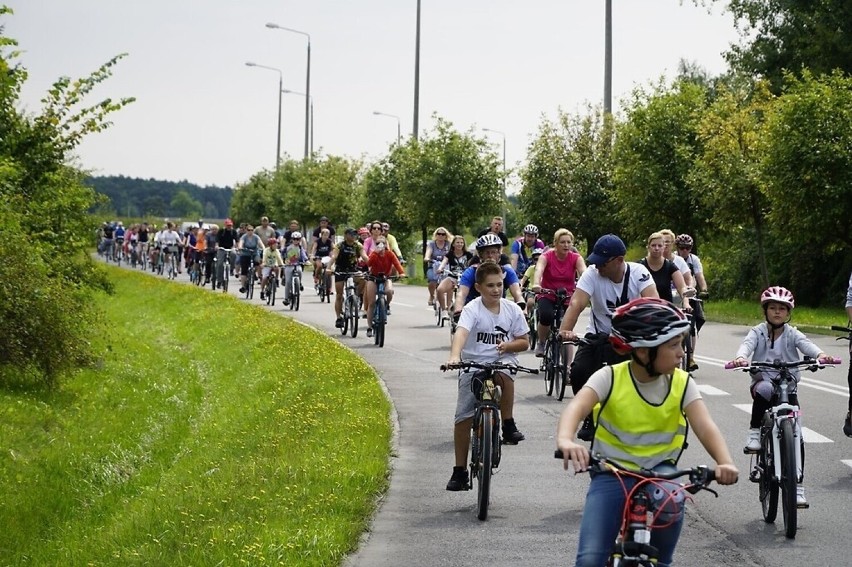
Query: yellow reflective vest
point(636, 433)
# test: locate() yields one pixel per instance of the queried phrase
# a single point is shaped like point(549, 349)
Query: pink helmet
point(777, 294)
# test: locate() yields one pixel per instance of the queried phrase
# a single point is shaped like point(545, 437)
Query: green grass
point(807, 319)
point(214, 433)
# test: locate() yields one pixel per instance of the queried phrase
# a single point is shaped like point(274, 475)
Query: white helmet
point(531, 229)
point(295, 235)
point(487, 240)
point(778, 294)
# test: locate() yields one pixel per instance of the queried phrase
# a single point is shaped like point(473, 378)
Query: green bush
point(54, 322)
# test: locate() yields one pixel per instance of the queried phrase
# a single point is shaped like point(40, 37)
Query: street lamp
point(280, 87)
point(417, 76)
point(398, 126)
point(608, 58)
point(311, 100)
point(308, 82)
point(505, 198)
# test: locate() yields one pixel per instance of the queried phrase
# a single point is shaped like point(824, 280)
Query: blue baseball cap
point(607, 247)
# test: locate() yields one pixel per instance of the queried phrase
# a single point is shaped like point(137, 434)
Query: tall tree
point(728, 167)
point(791, 35)
point(568, 178)
point(654, 152)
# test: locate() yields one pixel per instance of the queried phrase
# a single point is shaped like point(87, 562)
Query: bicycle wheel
point(687, 353)
point(556, 360)
point(533, 322)
point(549, 368)
point(345, 328)
point(380, 321)
point(562, 372)
point(788, 478)
point(439, 313)
point(352, 314)
point(327, 287)
point(296, 294)
point(767, 486)
point(484, 465)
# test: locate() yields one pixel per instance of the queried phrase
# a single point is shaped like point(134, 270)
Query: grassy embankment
point(214, 433)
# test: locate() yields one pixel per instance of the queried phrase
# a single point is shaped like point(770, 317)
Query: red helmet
point(271, 242)
point(646, 322)
point(777, 294)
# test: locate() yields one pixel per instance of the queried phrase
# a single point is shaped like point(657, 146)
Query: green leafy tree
point(729, 178)
point(448, 178)
point(47, 277)
point(183, 205)
point(807, 164)
point(791, 35)
point(252, 199)
point(568, 178)
point(655, 148)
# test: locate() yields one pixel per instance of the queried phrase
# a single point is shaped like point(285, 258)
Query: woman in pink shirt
point(557, 268)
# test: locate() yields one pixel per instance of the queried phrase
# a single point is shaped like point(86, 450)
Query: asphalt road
point(536, 506)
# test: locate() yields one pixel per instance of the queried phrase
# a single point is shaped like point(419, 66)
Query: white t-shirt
point(695, 262)
point(654, 392)
point(606, 294)
point(681, 264)
point(487, 329)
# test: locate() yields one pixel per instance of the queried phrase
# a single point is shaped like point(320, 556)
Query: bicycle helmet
point(271, 242)
point(295, 235)
point(683, 241)
point(646, 322)
point(537, 251)
point(531, 229)
point(487, 240)
point(777, 294)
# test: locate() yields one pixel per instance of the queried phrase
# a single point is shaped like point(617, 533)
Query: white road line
point(810, 435)
point(708, 390)
point(847, 462)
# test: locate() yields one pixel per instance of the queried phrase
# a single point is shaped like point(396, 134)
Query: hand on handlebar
point(727, 474)
point(736, 363)
point(568, 335)
point(828, 360)
point(572, 451)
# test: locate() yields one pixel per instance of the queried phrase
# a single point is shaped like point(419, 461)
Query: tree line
point(155, 198)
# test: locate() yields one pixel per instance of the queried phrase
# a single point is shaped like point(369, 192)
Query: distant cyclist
point(522, 249)
point(684, 244)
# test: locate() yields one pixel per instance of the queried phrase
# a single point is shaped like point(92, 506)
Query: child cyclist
point(294, 257)
point(774, 339)
point(271, 262)
point(642, 408)
point(490, 328)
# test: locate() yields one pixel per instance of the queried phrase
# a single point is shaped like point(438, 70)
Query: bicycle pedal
point(748, 451)
point(754, 476)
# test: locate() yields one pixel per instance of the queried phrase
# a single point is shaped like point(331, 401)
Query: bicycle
point(644, 505)
point(171, 263)
point(195, 270)
point(532, 318)
point(271, 288)
point(485, 448)
point(380, 308)
point(324, 285)
point(453, 318)
point(251, 276)
point(350, 305)
point(781, 455)
point(555, 360)
point(689, 339)
point(226, 265)
point(847, 426)
point(295, 291)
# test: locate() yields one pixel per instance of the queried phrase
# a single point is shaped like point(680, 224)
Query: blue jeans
point(601, 522)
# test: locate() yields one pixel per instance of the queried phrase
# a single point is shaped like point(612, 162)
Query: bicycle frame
point(555, 360)
point(633, 544)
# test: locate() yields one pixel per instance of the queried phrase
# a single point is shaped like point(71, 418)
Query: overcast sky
point(202, 115)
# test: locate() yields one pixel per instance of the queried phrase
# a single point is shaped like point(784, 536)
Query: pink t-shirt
point(560, 273)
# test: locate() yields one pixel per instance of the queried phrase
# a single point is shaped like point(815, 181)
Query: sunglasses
point(684, 247)
point(441, 234)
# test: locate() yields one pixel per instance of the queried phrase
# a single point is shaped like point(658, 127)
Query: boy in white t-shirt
point(490, 328)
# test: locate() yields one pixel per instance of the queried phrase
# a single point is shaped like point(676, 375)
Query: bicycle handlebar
point(843, 330)
point(807, 362)
point(699, 476)
point(468, 364)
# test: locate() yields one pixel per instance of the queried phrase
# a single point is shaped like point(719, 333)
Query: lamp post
point(311, 102)
point(280, 88)
point(398, 125)
point(307, 83)
point(505, 198)
point(608, 59)
point(417, 77)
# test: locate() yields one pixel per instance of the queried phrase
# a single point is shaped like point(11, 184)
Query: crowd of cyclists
point(639, 319)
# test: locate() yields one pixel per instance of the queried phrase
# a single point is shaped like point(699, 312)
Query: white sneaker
point(801, 501)
point(539, 349)
point(753, 441)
